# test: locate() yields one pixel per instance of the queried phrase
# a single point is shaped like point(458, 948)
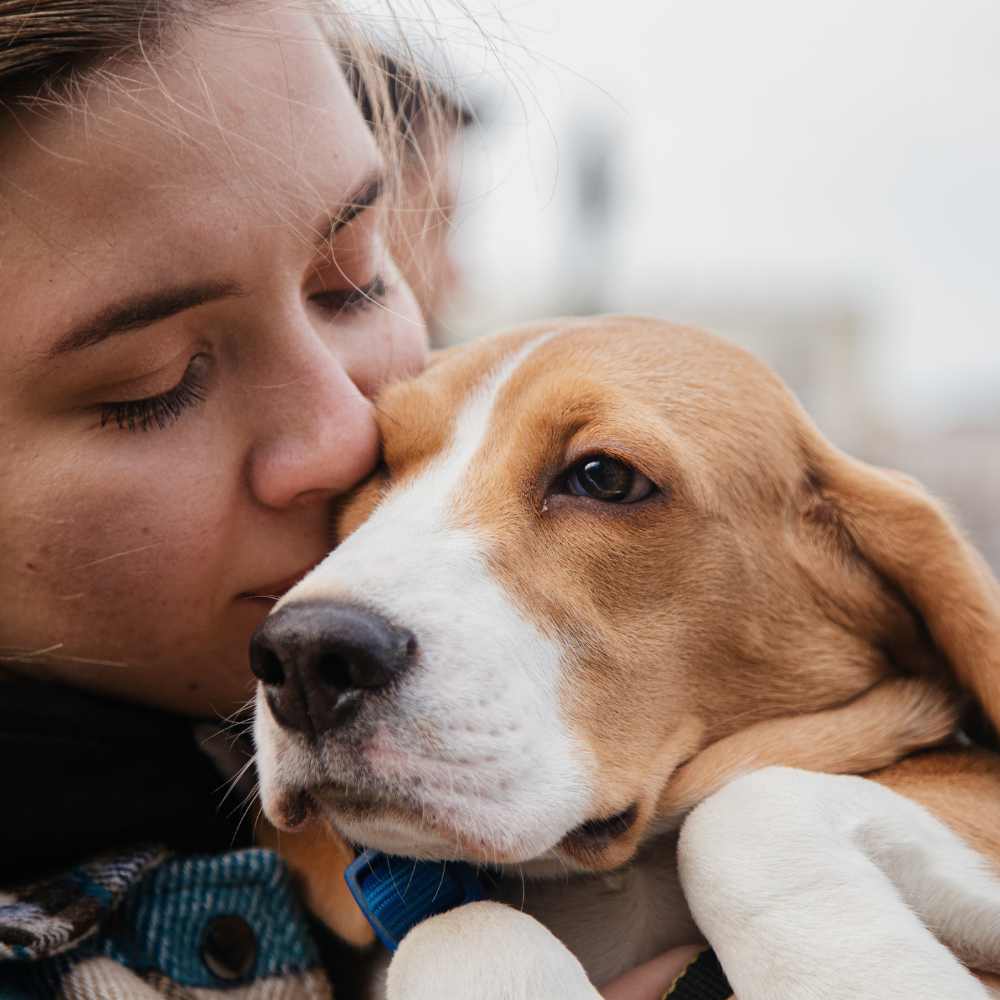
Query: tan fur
point(777, 602)
point(868, 733)
point(736, 614)
point(317, 856)
point(960, 787)
point(911, 541)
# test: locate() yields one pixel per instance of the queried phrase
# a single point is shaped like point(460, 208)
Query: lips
point(596, 833)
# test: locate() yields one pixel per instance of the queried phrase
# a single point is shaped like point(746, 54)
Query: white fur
point(475, 730)
point(813, 886)
point(809, 886)
point(489, 951)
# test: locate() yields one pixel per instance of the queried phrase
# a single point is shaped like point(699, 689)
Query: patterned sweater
point(85, 914)
point(145, 924)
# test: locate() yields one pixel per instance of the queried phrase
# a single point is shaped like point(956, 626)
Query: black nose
point(318, 658)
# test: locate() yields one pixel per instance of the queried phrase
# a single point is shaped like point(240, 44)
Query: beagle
point(608, 588)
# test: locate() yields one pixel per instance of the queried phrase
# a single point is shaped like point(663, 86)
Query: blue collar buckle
point(396, 894)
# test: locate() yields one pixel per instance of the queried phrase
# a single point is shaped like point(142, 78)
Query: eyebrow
point(139, 311)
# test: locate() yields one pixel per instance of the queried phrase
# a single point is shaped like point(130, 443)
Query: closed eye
point(338, 302)
point(159, 412)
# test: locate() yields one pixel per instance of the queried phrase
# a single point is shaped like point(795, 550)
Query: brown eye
point(610, 480)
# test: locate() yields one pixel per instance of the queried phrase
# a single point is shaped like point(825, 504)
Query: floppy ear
point(911, 542)
point(318, 857)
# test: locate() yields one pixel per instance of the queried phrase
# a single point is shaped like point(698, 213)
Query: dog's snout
point(316, 659)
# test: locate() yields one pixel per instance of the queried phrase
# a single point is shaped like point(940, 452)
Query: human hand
point(651, 980)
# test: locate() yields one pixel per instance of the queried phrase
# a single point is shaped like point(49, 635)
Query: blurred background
point(819, 182)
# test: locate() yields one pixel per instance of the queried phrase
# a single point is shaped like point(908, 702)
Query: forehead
point(233, 133)
point(631, 366)
point(649, 381)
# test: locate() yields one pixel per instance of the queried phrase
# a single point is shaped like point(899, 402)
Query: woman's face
point(186, 360)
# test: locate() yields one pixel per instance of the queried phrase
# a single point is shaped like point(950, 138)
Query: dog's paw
point(485, 951)
point(814, 885)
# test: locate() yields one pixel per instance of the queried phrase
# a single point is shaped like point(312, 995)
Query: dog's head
point(595, 550)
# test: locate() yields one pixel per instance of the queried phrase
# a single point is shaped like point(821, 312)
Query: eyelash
point(163, 410)
point(159, 411)
point(354, 299)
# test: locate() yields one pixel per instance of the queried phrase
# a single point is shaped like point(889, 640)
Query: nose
point(314, 443)
point(317, 660)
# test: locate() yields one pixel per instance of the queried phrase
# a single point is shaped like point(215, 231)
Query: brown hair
point(44, 45)
point(417, 102)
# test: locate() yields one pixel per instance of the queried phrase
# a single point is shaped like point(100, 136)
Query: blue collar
point(395, 894)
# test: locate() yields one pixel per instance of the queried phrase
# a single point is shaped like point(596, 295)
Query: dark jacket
point(122, 873)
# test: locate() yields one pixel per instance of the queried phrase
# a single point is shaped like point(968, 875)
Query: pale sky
point(849, 148)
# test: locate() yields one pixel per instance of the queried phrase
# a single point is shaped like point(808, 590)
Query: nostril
point(346, 667)
point(266, 664)
point(319, 659)
point(334, 671)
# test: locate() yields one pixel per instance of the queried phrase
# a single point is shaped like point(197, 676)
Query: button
point(229, 947)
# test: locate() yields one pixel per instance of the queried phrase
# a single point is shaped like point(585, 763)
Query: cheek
point(629, 662)
point(632, 707)
point(393, 346)
point(409, 337)
point(90, 535)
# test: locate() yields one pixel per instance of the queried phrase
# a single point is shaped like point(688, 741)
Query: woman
point(198, 309)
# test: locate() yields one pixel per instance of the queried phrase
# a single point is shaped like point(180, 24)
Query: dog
point(607, 607)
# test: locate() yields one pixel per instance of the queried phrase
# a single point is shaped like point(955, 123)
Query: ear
point(318, 857)
point(912, 544)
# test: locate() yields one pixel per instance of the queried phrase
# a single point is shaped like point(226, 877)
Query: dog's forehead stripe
point(428, 496)
point(476, 416)
point(418, 510)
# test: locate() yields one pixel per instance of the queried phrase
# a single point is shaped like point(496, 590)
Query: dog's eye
point(601, 477)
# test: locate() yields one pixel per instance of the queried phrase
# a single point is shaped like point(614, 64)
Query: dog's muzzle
point(317, 660)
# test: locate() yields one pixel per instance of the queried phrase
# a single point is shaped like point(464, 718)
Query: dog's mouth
point(405, 826)
point(588, 844)
point(602, 843)
point(598, 833)
point(299, 806)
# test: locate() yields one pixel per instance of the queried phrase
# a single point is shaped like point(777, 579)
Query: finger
point(651, 981)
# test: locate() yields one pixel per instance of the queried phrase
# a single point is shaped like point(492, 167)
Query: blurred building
point(820, 340)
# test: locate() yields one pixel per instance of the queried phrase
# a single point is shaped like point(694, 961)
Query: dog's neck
point(611, 921)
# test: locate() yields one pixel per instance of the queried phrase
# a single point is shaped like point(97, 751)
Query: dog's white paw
point(485, 951)
point(813, 885)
